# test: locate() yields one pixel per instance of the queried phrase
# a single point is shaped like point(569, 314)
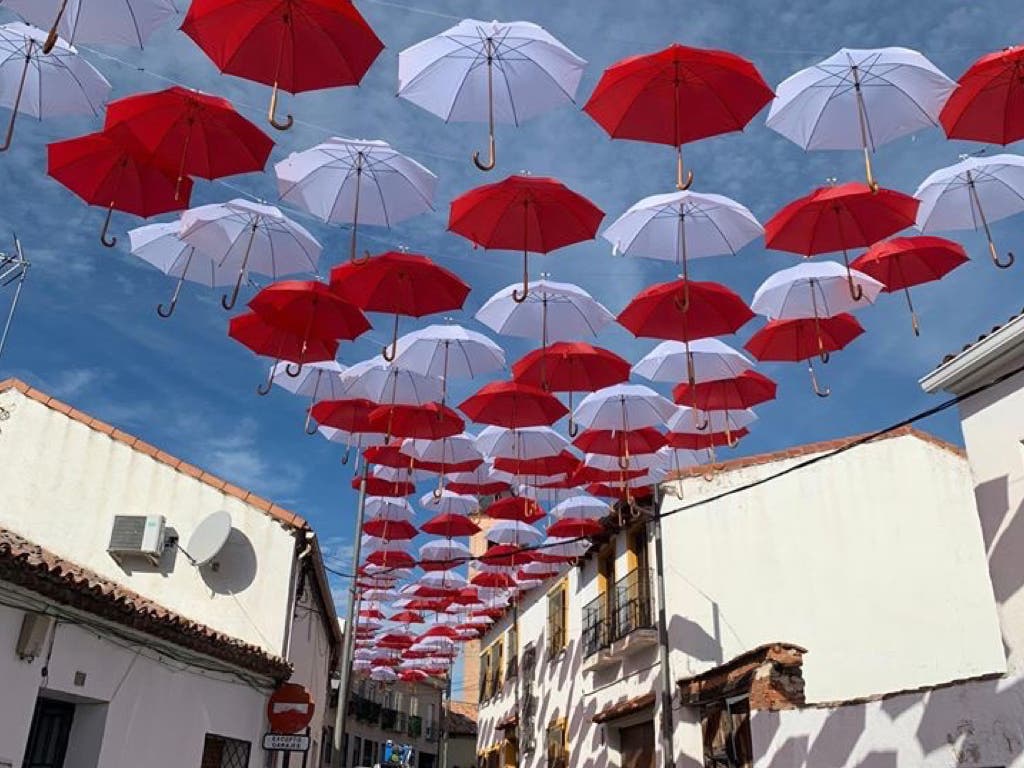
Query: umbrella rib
point(135, 22)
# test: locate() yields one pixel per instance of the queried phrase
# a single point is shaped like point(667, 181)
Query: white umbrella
point(450, 580)
point(581, 508)
point(399, 475)
point(359, 439)
point(684, 225)
point(525, 443)
point(514, 532)
point(548, 496)
point(457, 449)
point(482, 475)
point(708, 359)
point(317, 381)
point(454, 74)
point(383, 674)
point(354, 181)
point(443, 550)
point(127, 22)
point(977, 190)
point(251, 237)
point(387, 508)
point(860, 99)
point(690, 421)
point(623, 406)
point(450, 503)
point(443, 351)
point(564, 548)
point(377, 593)
point(551, 312)
point(41, 86)
point(383, 382)
point(633, 461)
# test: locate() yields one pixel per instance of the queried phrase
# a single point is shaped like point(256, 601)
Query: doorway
point(49, 734)
point(636, 744)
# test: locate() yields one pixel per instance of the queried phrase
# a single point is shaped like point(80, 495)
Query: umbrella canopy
point(563, 463)
point(457, 453)
point(617, 442)
point(515, 508)
point(395, 510)
point(522, 443)
point(623, 406)
point(556, 549)
point(511, 404)
point(294, 45)
point(351, 415)
point(552, 312)
point(499, 72)
point(44, 86)
point(255, 237)
point(571, 366)
point(860, 99)
point(678, 95)
point(480, 481)
point(451, 503)
point(710, 359)
point(444, 351)
point(575, 528)
point(383, 382)
point(310, 309)
point(317, 381)
point(390, 530)
point(128, 23)
point(441, 555)
point(514, 532)
point(703, 441)
point(975, 190)
point(903, 262)
point(532, 214)
point(988, 103)
point(264, 338)
point(814, 289)
point(450, 525)
point(376, 486)
point(102, 171)
point(507, 555)
point(581, 507)
point(748, 389)
point(428, 422)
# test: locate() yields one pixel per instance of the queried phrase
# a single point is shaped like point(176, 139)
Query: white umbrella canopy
point(318, 381)
point(623, 406)
point(32, 83)
point(524, 443)
point(975, 191)
point(678, 459)
point(548, 496)
point(383, 674)
point(251, 237)
point(860, 99)
point(685, 225)
point(514, 532)
point(581, 507)
point(612, 463)
point(561, 547)
point(528, 479)
point(814, 289)
point(452, 580)
point(457, 449)
point(551, 312)
point(383, 382)
point(127, 22)
point(711, 360)
point(356, 181)
point(399, 474)
point(448, 351)
point(387, 508)
point(690, 421)
point(450, 503)
point(494, 72)
point(443, 550)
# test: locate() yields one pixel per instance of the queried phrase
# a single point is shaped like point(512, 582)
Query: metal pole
point(667, 726)
point(18, 262)
point(442, 731)
point(348, 641)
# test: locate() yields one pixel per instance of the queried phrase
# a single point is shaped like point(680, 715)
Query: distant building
point(460, 732)
point(117, 651)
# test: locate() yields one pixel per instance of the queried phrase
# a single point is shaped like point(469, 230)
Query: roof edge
point(974, 358)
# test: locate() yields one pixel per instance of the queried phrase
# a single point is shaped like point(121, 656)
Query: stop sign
point(290, 708)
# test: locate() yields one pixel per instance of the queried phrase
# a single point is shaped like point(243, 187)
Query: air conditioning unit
point(137, 536)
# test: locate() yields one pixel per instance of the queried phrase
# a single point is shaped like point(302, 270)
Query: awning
point(624, 708)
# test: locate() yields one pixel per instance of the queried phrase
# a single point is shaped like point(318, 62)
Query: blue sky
point(87, 331)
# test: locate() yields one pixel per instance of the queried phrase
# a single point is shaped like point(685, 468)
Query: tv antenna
point(208, 539)
point(13, 268)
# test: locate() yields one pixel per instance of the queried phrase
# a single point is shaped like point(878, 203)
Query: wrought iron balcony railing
point(624, 609)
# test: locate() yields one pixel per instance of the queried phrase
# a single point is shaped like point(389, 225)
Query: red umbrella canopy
point(614, 442)
point(102, 171)
point(661, 311)
point(424, 422)
point(903, 262)
point(408, 617)
point(988, 103)
point(189, 133)
point(377, 486)
point(532, 214)
point(512, 404)
point(508, 555)
point(587, 475)
point(390, 530)
point(560, 464)
point(483, 488)
point(348, 415)
point(798, 339)
point(450, 525)
point(744, 391)
point(571, 366)
point(677, 95)
point(697, 441)
point(261, 337)
point(575, 528)
point(389, 455)
point(391, 558)
point(520, 508)
point(839, 218)
point(310, 309)
point(492, 579)
point(467, 596)
point(441, 630)
point(605, 491)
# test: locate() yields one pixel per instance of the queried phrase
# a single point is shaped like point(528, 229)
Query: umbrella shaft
point(17, 97)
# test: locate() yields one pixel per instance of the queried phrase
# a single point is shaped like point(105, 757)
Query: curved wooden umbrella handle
point(491, 157)
point(681, 184)
point(814, 383)
point(1010, 258)
point(110, 241)
point(51, 38)
point(518, 297)
point(280, 125)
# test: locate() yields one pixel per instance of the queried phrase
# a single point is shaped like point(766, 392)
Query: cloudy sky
point(87, 331)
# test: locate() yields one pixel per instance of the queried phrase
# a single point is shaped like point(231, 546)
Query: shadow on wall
point(693, 640)
point(1005, 562)
point(234, 569)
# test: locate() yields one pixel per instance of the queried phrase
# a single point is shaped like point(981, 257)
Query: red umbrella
point(562, 464)
point(408, 617)
point(481, 488)
point(698, 441)
point(495, 580)
point(396, 640)
point(467, 596)
point(743, 391)
point(520, 508)
point(102, 171)
point(512, 405)
point(261, 337)
point(391, 530)
point(988, 103)
point(507, 555)
point(623, 493)
point(804, 339)
point(676, 96)
point(424, 422)
point(524, 213)
point(450, 525)
point(905, 261)
point(189, 133)
point(377, 486)
point(838, 218)
point(347, 415)
point(294, 45)
point(388, 455)
point(399, 284)
point(391, 558)
point(615, 442)
point(440, 630)
point(587, 475)
point(575, 528)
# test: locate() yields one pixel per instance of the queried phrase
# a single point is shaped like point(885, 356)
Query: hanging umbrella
point(270, 340)
point(103, 172)
point(501, 72)
point(539, 571)
point(983, 189)
point(618, 442)
point(688, 421)
point(708, 440)
point(359, 439)
point(524, 213)
point(675, 460)
point(383, 675)
point(988, 103)
point(581, 507)
point(479, 482)
point(399, 284)
point(129, 22)
point(351, 415)
point(376, 486)
point(860, 99)
point(803, 339)
point(902, 262)
point(58, 85)
point(561, 550)
point(637, 461)
point(552, 312)
point(328, 180)
point(514, 532)
point(429, 422)
point(450, 525)
point(710, 359)
point(575, 528)
point(678, 95)
point(376, 379)
point(564, 463)
point(507, 555)
point(291, 45)
point(391, 558)
point(683, 225)
point(511, 404)
point(748, 389)
point(515, 508)
point(623, 406)
point(451, 503)
point(189, 133)
point(317, 381)
point(161, 246)
point(395, 510)
point(521, 443)
point(442, 555)
point(390, 530)
point(443, 351)
point(457, 453)
point(838, 218)
point(255, 237)
point(814, 289)
point(407, 617)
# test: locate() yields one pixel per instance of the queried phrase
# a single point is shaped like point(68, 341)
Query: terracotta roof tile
point(980, 339)
point(624, 708)
point(461, 720)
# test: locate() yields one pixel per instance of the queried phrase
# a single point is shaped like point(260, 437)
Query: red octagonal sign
point(290, 709)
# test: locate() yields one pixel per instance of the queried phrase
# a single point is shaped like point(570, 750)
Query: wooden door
point(48, 736)
point(637, 745)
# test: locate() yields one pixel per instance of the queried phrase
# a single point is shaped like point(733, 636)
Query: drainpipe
point(667, 726)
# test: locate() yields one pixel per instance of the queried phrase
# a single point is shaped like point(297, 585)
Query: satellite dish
point(209, 538)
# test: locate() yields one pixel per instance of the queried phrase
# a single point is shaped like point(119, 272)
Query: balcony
point(620, 622)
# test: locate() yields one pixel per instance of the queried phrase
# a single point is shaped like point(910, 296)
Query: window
point(369, 753)
point(357, 750)
point(558, 618)
point(327, 739)
point(725, 725)
point(222, 752)
point(490, 670)
point(512, 668)
point(636, 555)
point(556, 746)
